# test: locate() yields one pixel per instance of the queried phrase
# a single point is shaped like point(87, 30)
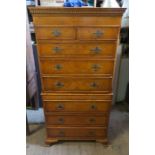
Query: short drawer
point(100, 33)
point(77, 106)
point(76, 132)
point(64, 120)
point(65, 83)
point(76, 96)
point(93, 49)
point(55, 33)
point(77, 66)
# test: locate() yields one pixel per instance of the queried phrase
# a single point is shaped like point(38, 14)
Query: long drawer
point(76, 132)
point(74, 96)
point(76, 120)
point(77, 105)
point(77, 66)
point(93, 49)
point(75, 83)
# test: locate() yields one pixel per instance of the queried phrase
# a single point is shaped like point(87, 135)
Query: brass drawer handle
point(95, 67)
point(92, 120)
point(61, 121)
point(93, 85)
point(60, 106)
point(56, 33)
point(57, 49)
point(96, 50)
point(98, 33)
point(61, 133)
point(58, 67)
point(91, 133)
point(93, 107)
point(59, 84)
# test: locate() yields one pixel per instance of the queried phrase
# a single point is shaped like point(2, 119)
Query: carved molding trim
point(37, 11)
point(114, 41)
point(78, 26)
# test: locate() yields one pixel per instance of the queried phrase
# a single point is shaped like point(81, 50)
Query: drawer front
point(76, 120)
point(77, 21)
point(97, 33)
point(77, 66)
point(55, 33)
point(74, 49)
point(77, 84)
point(77, 106)
point(72, 96)
point(76, 132)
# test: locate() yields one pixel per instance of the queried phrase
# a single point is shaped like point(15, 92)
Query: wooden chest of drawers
point(76, 53)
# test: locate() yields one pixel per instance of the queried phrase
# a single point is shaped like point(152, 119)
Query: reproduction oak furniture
point(76, 53)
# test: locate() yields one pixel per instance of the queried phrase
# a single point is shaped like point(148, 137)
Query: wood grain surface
point(76, 49)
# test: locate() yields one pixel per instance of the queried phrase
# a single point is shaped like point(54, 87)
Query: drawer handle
point(60, 120)
point(58, 67)
point(57, 49)
point(56, 33)
point(93, 85)
point(60, 106)
point(96, 50)
point(93, 107)
point(95, 67)
point(92, 120)
point(61, 133)
point(59, 84)
point(98, 33)
point(91, 133)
